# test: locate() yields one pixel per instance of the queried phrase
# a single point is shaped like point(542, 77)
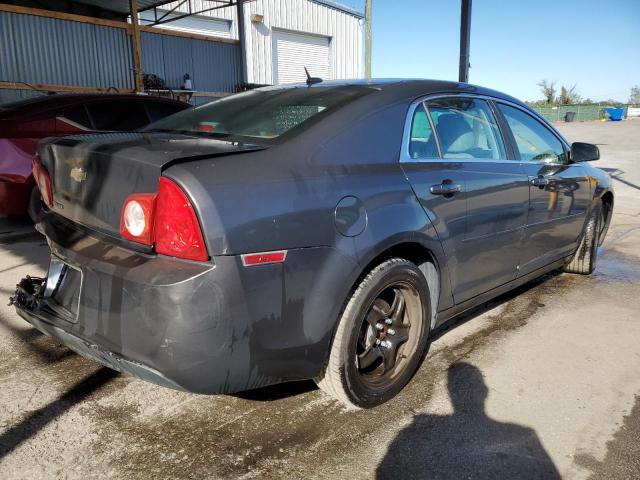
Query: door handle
point(445, 188)
point(540, 182)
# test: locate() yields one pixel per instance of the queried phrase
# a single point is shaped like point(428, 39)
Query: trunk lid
point(92, 175)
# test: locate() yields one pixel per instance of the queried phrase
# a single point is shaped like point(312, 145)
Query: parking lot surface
point(547, 373)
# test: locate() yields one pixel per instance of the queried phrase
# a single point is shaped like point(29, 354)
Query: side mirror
point(584, 152)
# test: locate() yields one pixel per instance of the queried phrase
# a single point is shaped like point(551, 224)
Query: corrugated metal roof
point(122, 6)
point(341, 7)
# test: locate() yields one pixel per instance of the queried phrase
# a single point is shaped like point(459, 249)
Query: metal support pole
point(243, 43)
point(367, 38)
point(135, 47)
point(465, 40)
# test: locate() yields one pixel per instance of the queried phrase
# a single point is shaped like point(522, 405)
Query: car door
point(475, 196)
point(559, 190)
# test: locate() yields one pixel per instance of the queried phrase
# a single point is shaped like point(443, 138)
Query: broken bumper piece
point(31, 304)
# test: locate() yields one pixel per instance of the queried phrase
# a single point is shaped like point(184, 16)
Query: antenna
point(311, 80)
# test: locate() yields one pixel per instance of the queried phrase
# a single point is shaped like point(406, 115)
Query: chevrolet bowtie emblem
point(78, 174)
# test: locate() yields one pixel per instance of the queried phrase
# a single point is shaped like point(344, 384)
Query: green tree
point(568, 96)
point(634, 98)
point(548, 89)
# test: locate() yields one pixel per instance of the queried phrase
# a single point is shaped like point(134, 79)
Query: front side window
point(466, 128)
point(422, 143)
point(535, 142)
point(260, 114)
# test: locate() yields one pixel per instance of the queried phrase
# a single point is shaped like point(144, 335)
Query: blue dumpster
point(615, 114)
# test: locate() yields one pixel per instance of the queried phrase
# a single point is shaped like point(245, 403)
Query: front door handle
point(540, 182)
point(445, 188)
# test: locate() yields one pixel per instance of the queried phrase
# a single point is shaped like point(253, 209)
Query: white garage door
point(294, 51)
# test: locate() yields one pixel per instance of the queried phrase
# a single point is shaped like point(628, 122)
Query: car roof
point(408, 88)
point(44, 103)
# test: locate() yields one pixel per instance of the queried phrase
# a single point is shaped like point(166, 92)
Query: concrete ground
point(544, 380)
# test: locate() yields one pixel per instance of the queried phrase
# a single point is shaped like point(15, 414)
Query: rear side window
point(159, 110)
point(466, 128)
point(118, 115)
point(422, 143)
point(535, 142)
point(78, 115)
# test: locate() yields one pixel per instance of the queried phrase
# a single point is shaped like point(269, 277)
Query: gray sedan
point(317, 231)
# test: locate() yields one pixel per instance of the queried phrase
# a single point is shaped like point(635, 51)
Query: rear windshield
point(260, 114)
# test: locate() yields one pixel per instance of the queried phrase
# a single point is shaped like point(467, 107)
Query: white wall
point(307, 16)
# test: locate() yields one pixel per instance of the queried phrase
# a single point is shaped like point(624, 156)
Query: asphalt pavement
point(543, 381)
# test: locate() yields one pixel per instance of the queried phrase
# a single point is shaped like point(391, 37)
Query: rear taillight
point(166, 219)
point(177, 229)
point(136, 220)
point(41, 176)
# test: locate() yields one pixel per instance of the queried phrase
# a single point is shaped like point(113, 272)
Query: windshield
point(260, 114)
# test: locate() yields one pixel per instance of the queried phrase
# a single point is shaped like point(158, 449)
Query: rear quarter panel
point(286, 197)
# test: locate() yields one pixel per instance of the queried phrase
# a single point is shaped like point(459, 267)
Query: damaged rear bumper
point(91, 351)
point(204, 327)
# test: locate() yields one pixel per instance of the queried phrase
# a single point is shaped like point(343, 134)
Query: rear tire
point(382, 336)
point(35, 204)
point(584, 260)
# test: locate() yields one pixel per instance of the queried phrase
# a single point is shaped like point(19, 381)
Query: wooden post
point(367, 38)
point(135, 47)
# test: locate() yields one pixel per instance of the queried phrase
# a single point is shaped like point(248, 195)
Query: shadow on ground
point(36, 420)
point(467, 443)
point(616, 174)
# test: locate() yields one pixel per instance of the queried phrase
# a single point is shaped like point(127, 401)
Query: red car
point(23, 124)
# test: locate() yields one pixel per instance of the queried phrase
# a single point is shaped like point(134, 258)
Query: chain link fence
point(575, 113)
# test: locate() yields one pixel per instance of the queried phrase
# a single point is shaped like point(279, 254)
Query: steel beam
point(465, 41)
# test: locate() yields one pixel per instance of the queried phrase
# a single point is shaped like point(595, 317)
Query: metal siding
point(178, 59)
point(318, 17)
point(216, 66)
point(8, 60)
point(72, 53)
point(46, 50)
point(304, 16)
point(152, 54)
point(115, 65)
point(213, 66)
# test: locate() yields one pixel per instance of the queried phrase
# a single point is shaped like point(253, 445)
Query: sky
point(594, 45)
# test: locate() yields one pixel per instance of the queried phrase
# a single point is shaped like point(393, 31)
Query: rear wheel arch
point(415, 252)
point(607, 204)
point(424, 259)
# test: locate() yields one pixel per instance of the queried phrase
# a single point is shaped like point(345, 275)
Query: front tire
point(584, 260)
point(382, 336)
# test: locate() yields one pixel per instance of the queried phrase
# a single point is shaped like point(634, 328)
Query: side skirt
point(450, 313)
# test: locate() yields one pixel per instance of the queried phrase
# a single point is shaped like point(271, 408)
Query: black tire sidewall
point(595, 238)
point(359, 392)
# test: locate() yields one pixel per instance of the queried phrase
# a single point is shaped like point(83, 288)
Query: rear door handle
point(445, 189)
point(540, 182)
